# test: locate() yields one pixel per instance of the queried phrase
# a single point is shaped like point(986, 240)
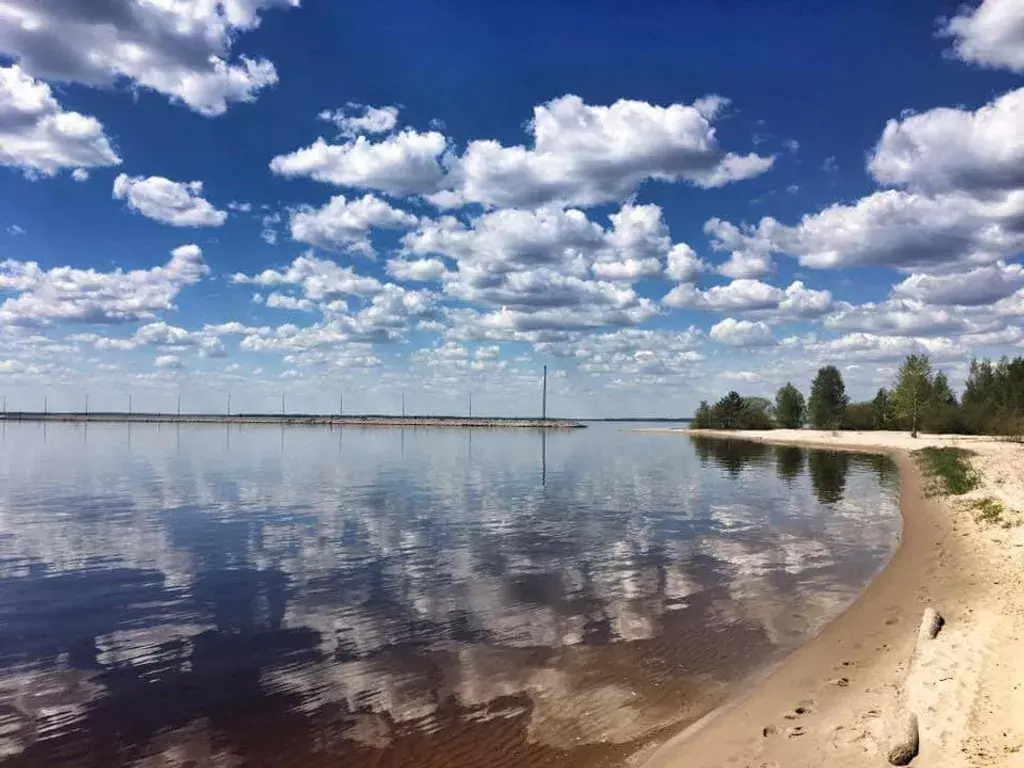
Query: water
point(225, 596)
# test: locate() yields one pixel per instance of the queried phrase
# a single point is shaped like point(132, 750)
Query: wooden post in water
point(544, 396)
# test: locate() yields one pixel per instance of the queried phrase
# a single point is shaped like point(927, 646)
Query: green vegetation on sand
point(949, 470)
point(994, 512)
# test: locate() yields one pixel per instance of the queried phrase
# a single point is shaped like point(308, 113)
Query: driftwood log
point(904, 734)
point(931, 623)
point(904, 740)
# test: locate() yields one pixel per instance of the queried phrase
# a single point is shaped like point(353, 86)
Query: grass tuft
point(994, 512)
point(949, 469)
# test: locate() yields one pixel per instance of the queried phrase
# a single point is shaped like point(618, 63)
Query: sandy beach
point(839, 700)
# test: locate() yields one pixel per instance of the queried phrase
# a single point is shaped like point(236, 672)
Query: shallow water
point(225, 596)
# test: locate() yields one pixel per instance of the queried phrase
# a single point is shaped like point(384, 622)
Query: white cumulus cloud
point(406, 163)
point(319, 279)
point(588, 154)
point(976, 287)
point(947, 150)
point(751, 296)
point(548, 268)
point(990, 35)
point(40, 138)
point(960, 201)
point(345, 224)
point(581, 155)
point(180, 204)
point(417, 270)
point(742, 333)
point(361, 119)
point(168, 362)
point(66, 294)
point(179, 49)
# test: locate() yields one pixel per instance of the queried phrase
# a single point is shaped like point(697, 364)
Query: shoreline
point(834, 698)
point(320, 420)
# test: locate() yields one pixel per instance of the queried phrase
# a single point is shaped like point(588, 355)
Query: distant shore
point(832, 702)
point(293, 419)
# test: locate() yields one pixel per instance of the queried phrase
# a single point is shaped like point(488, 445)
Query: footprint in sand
point(802, 708)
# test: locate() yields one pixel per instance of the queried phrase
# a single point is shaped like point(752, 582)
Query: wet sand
point(835, 700)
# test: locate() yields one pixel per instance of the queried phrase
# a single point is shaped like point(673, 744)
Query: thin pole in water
point(471, 405)
point(46, 405)
point(87, 404)
point(341, 404)
point(179, 404)
point(544, 396)
point(403, 405)
point(282, 403)
point(130, 405)
point(229, 403)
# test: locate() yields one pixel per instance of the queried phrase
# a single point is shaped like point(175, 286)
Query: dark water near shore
point(256, 596)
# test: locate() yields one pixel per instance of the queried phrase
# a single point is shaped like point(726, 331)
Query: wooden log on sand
point(904, 739)
point(931, 623)
point(904, 734)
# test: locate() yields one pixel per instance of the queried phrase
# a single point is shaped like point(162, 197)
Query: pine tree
point(881, 410)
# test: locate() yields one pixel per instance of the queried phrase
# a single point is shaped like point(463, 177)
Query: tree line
point(919, 399)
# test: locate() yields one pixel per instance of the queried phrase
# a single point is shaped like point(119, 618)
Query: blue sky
point(659, 202)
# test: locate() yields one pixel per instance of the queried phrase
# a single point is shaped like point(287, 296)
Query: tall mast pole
point(544, 396)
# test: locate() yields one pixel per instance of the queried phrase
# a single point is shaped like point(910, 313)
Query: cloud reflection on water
point(255, 597)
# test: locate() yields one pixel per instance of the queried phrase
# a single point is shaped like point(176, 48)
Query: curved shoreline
point(831, 698)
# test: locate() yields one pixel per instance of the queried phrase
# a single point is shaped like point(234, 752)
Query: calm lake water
point(263, 596)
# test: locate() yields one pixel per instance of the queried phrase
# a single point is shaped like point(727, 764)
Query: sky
point(660, 201)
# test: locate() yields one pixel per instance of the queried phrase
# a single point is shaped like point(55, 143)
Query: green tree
point(827, 405)
point(859, 417)
point(735, 412)
point(943, 410)
point(729, 411)
point(913, 391)
point(993, 401)
point(790, 408)
point(881, 410)
point(758, 413)
point(941, 393)
point(702, 418)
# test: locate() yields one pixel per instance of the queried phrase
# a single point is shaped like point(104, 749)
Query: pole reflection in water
point(544, 457)
point(187, 601)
